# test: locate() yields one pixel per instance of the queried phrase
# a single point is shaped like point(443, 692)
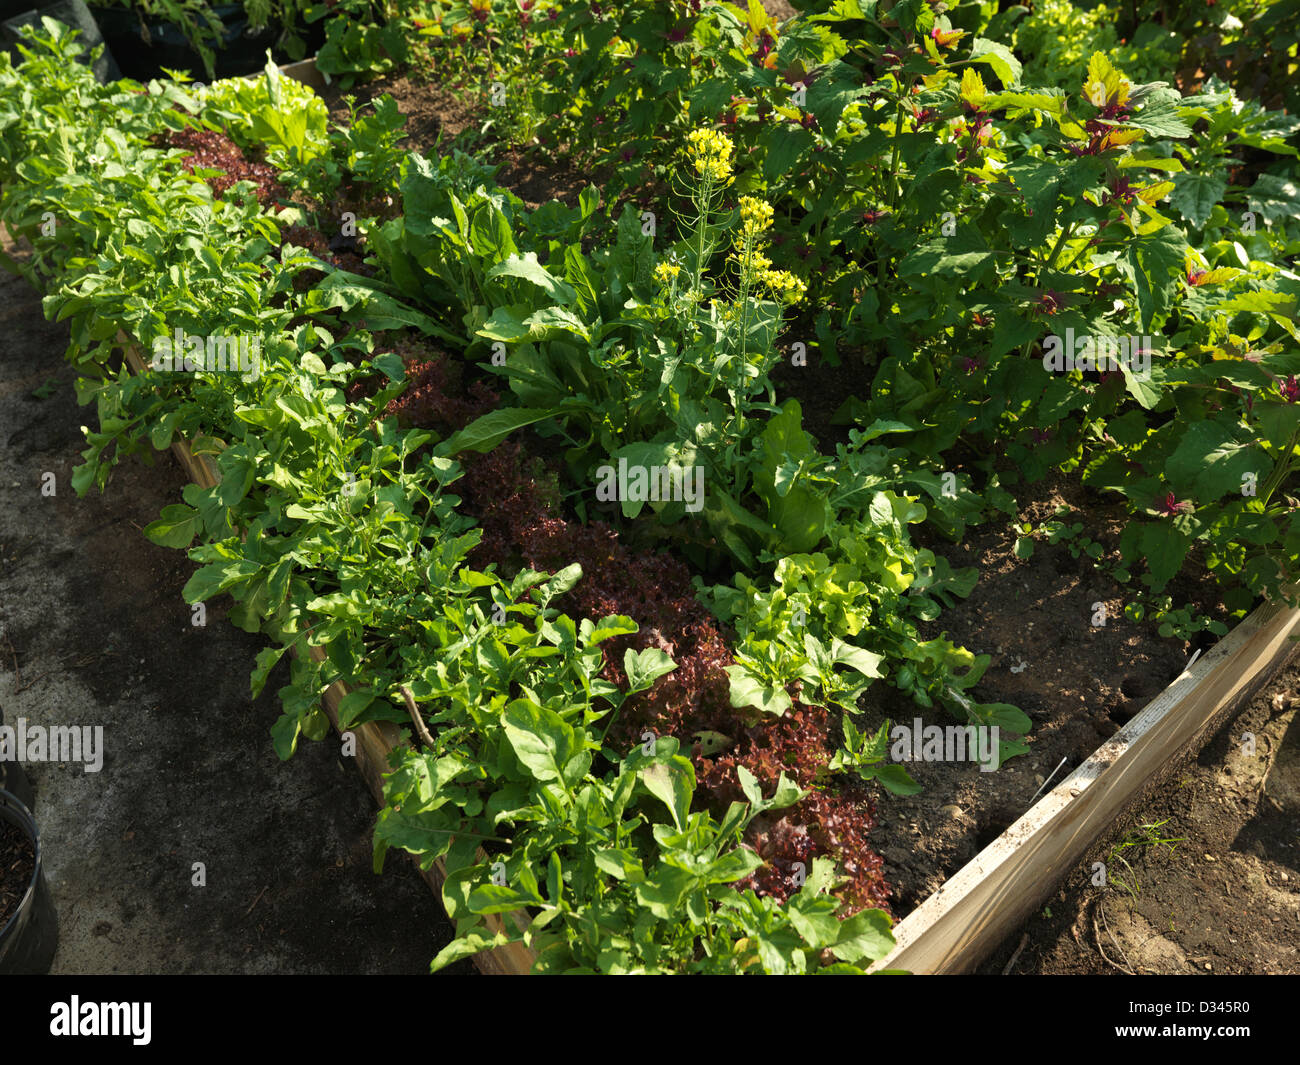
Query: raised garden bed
point(957, 926)
point(963, 920)
point(954, 929)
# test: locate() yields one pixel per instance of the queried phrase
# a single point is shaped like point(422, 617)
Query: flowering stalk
point(710, 154)
point(755, 221)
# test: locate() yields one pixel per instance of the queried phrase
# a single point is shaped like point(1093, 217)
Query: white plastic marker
point(1049, 779)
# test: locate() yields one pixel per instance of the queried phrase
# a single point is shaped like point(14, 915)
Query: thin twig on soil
point(1127, 968)
point(31, 682)
point(1024, 940)
point(1049, 779)
point(256, 901)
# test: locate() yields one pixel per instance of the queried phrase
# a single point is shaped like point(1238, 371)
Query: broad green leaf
point(672, 781)
point(284, 735)
point(1210, 461)
point(1196, 194)
point(484, 433)
point(662, 895)
point(265, 662)
point(176, 527)
point(749, 690)
point(998, 56)
point(215, 578)
point(529, 269)
point(865, 936)
point(467, 946)
point(1274, 197)
point(1155, 263)
point(644, 667)
point(859, 658)
point(541, 739)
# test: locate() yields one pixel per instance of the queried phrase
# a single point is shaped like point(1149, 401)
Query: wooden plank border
point(305, 71)
point(983, 902)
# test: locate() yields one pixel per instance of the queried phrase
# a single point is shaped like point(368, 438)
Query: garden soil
point(94, 632)
point(17, 864)
point(1222, 896)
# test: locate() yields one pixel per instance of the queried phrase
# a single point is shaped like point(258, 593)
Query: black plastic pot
point(29, 936)
point(14, 780)
point(143, 51)
point(72, 13)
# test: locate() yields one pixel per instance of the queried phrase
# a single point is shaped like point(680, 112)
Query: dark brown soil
point(436, 115)
point(432, 111)
point(1076, 681)
point(1223, 899)
point(17, 864)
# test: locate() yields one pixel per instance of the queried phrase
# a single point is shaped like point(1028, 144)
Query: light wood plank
point(974, 910)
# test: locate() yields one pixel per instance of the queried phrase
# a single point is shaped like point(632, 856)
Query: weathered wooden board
point(305, 71)
point(975, 909)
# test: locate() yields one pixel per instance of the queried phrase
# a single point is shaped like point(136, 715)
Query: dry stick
point(256, 901)
point(416, 719)
point(1016, 956)
point(76, 665)
point(1101, 950)
point(1101, 904)
point(1049, 778)
point(31, 682)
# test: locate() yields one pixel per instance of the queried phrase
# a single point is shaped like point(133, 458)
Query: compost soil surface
point(436, 115)
point(17, 863)
point(1220, 896)
point(1076, 680)
point(94, 631)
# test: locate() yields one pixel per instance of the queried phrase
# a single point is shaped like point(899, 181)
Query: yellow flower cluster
point(783, 285)
point(755, 217)
point(665, 272)
point(710, 153)
point(756, 264)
